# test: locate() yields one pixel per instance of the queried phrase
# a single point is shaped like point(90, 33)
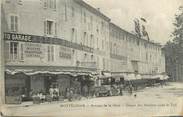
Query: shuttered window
point(7, 51)
point(22, 52)
point(65, 11)
point(45, 27)
point(51, 55)
point(14, 23)
point(50, 4)
point(14, 50)
point(45, 3)
point(55, 29)
point(50, 28)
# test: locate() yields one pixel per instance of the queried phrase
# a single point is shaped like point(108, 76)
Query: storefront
point(25, 82)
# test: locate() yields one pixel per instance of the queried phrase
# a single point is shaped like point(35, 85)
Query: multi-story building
point(50, 42)
point(131, 54)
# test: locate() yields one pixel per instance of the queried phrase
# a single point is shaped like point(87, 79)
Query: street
point(152, 101)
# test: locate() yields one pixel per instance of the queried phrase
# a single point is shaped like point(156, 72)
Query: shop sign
point(33, 50)
point(17, 37)
point(65, 52)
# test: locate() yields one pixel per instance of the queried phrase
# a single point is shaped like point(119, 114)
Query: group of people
point(43, 96)
point(38, 95)
point(54, 93)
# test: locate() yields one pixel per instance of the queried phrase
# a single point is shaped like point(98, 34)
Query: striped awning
point(34, 72)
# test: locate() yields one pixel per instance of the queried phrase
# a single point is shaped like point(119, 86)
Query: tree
point(178, 32)
point(174, 49)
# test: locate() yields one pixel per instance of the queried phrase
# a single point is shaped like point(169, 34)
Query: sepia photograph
point(91, 58)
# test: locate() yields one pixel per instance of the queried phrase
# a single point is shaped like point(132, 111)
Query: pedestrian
point(121, 91)
point(51, 90)
point(70, 94)
point(130, 89)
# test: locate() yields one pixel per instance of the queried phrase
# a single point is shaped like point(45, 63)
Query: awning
point(34, 72)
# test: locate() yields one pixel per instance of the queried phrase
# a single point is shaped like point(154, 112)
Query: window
point(97, 44)
point(55, 28)
point(45, 3)
point(102, 25)
point(50, 4)
point(84, 38)
point(91, 22)
point(49, 58)
point(55, 4)
point(92, 57)
point(91, 41)
point(81, 15)
point(22, 52)
point(14, 23)
point(73, 12)
point(84, 17)
point(146, 56)
point(72, 35)
point(7, 51)
point(102, 44)
point(14, 50)
point(50, 27)
point(103, 60)
point(98, 61)
point(50, 53)
point(65, 12)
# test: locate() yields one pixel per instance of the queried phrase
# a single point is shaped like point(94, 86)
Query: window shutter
point(48, 53)
point(65, 12)
point(45, 27)
point(55, 29)
point(16, 23)
point(76, 41)
point(52, 53)
point(7, 51)
point(12, 23)
point(22, 52)
point(50, 3)
point(45, 3)
point(55, 4)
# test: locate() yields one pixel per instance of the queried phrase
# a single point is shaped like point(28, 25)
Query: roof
point(92, 9)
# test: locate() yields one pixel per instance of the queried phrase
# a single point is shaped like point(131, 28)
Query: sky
point(160, 15)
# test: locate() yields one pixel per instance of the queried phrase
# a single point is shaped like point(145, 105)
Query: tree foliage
point(174, 49)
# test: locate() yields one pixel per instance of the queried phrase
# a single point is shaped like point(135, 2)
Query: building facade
point(129, 53)
point(48, 42)
point(65, 38)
